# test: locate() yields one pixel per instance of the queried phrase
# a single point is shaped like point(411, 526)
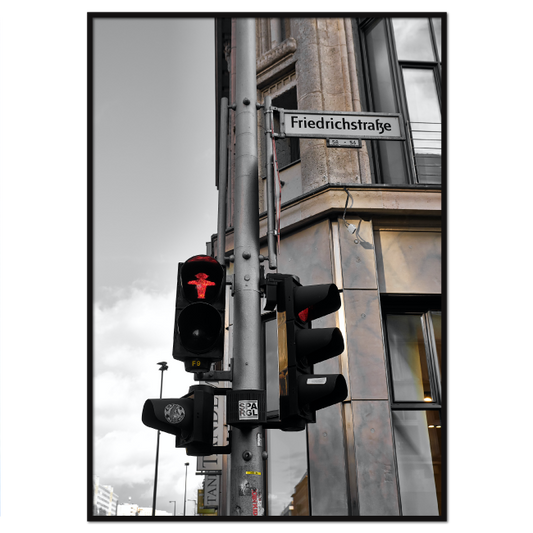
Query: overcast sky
point(155, 205)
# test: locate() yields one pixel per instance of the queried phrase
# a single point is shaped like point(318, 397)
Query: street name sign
point(341, 125)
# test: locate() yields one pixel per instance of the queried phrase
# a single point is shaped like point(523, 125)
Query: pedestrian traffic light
point(199, 319)
point(302, 392)
point(189, 418)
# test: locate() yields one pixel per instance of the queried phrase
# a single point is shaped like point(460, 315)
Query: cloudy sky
point(155, 204)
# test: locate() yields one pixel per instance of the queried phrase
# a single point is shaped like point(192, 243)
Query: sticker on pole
point(174, 413)
point(248, 410)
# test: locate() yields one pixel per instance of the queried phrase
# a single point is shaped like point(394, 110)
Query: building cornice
point(370, 200)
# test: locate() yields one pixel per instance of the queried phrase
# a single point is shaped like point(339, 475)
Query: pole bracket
point(216, 375)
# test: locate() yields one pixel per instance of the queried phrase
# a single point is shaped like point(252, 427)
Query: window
point(403, 66)
point(413, 339)
point(287, 148)
point(287, 480)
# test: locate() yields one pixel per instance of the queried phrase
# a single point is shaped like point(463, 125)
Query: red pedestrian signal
point(200, 308)
point(201, 284)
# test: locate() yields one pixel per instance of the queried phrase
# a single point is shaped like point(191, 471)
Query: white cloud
point(130, 338)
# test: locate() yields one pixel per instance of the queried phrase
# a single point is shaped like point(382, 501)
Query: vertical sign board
point(341, 125)
point(201, 509)
point(214, 462)
point(211, 491)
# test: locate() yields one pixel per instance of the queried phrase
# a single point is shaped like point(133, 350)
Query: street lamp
point(174, 502)
point(162, 366)
point(185, 495)
point(195, 504)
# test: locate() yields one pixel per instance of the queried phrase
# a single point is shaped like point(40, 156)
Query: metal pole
point(271, 210)
point(246, 484)
point(185, 494)
point(162, 366)
point(222, 180)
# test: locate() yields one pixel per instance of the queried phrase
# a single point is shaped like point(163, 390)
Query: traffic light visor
point(319, 391)
point(317, 345)
point(315, 301)
point(170, 416)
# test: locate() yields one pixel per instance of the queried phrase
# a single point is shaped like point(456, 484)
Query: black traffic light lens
point(199, 327)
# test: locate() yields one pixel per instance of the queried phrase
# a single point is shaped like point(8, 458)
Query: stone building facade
point(369, 220)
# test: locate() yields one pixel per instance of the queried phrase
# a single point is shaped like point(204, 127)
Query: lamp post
point(185, 494)
point(162, 366)
point(174, 502)
point(195, 504)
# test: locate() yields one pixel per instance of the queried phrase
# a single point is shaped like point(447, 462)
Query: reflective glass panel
point(436, 319)
point(271, 360)
point(437, 23)
point(417, 437)
point(413, 40)
point(424, 109)
point(391, 161)
point(288, 488)
point(410, 378)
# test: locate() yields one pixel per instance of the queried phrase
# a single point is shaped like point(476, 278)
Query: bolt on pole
point(246, 471)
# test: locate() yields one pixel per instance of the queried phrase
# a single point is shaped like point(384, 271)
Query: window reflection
point(437, 24)
point(271, 363)
point(403, 66)
point(436, 319)
point(425, 120)
point(288, 490)
point(424, 109)
point(410, 377)
point(391, 158)
point(417, 436)
point(413, 40)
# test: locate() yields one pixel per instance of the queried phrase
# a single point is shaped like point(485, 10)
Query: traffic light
point(199, 319)
point(302, 392)
point(189, 418)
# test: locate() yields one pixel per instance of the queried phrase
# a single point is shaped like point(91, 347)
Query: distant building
point(104, 499)
point(132, 509)
point(127, 509)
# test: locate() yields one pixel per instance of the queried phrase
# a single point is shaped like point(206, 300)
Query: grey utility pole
point(246, 482)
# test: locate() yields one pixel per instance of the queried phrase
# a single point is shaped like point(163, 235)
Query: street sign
point(336, 125)
point(344, 143)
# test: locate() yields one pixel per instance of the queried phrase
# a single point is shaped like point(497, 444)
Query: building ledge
point(372, 200)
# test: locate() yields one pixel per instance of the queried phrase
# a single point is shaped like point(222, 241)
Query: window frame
point(362, 27)
point(415, 305)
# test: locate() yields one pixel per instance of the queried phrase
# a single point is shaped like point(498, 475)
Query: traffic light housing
point(199, 318)
point(300, 347)
point(189, 418)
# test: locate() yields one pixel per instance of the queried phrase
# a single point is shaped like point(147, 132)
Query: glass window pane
point(425, 122)
point(380, 71)
point(410, 378)
point(392, 168)
point(436, 319)
point(413, 40)
point(424, 109)
point(271, 362)
point(288, 489)
point(437, 23)
point(417, 438)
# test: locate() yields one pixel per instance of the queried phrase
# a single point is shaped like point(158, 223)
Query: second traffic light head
point(189, 418)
